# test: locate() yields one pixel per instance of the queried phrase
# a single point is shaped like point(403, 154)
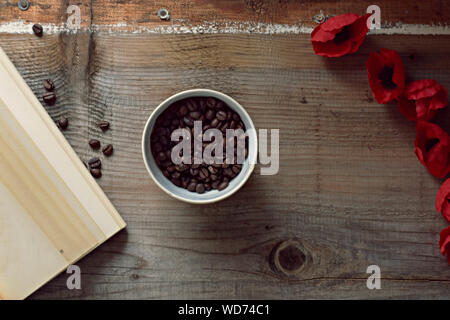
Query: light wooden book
point(52, 212)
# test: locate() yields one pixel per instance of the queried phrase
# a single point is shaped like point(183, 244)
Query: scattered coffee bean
point(95, 144)
point(104, 125)
point(49, 85)
point(95, 163)
point(96, 173)
point(38, 30)
point(195, 177)
point(49, 98)
point(108, 150)
point(63, 123)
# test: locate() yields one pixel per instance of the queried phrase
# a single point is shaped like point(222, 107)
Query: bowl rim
point(190, 93)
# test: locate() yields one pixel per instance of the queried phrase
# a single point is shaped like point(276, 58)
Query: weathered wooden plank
point(187, 12)
point(350, 190)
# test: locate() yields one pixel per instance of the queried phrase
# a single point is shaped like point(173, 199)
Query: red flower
point(432, 148)
point(444, 243)
point(340, 35)
point(386, 75)
point(422, 99)
point(443, 200)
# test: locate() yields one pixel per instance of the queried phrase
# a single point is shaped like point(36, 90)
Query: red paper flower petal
point(433, 148)
point(407, 108)
point(421, 89)
point(386, 73)
point(423, 98)
point(443, 200)
point(444, 243)
point(340, 35)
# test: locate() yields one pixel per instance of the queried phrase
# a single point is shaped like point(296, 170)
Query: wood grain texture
point(187, 12)
point(350, 191)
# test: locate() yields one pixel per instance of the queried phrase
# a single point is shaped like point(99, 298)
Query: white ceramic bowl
point(213, 195)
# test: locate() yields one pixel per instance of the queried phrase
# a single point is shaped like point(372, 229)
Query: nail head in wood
point(163, 14)
point(319, 18)
point(23, 5)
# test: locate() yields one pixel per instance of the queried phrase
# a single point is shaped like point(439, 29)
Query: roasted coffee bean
point(215, 184)
point(108, 150)
point(207, 187)
point(63, 123)
point(181, 167)
point(211, 102)
point(188, 121)
point(176, 182)
point(215, 123)
point(164, 140)
point(202, 105)
point(221, 115)
point(200, 188)
point(157, 147)
point(223, 127)
point(49, 85)
point(210, 114)
point(195, 115)
point(222, 185)
point(95, 163)
point(182, 111)
point(95, 144)
point(228, 172)
point(203, 173)
point(166, 173)
point(185, 181)
point(166, 164)
point(191, 105)
point(161, 156)
point(176, 175)
point(212, 169)
point(49, 98)
point(192, 186)
point(220, 105)
point(236, 168)
point(171, 169)
point(96, 173)
point(38, 30)
point(104, 125)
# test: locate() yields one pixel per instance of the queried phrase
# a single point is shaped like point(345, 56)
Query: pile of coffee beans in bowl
point(199, 144)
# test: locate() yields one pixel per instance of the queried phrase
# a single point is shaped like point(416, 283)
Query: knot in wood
point(288, 257)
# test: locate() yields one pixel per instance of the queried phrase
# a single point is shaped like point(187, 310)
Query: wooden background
point(350, 192)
